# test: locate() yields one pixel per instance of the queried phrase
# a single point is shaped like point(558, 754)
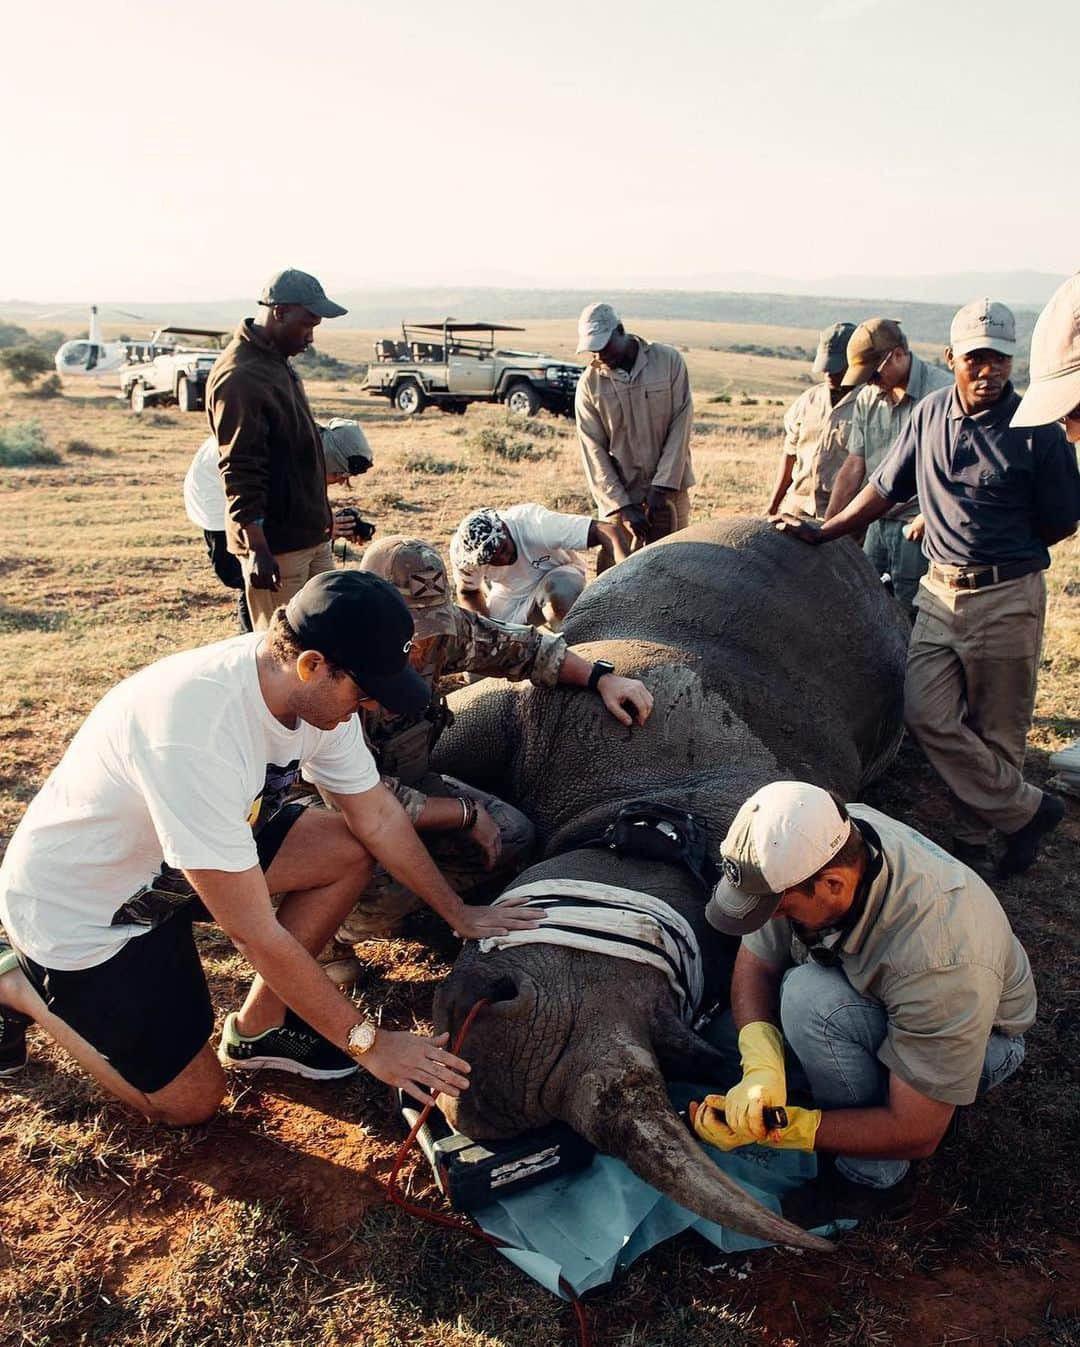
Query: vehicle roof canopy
point(193, 331)
point(452, 325)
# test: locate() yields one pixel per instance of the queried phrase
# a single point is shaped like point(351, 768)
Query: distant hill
point(385, 308)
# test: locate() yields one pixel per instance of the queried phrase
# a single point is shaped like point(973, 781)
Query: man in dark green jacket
point(278, 519)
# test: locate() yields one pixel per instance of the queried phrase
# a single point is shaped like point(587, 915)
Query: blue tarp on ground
point(587, 1226)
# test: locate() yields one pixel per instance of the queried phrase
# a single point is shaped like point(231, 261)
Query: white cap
point(343, 439)
point(1055, 360)
point(596, 327)
point(983, 325)
point(781, 836)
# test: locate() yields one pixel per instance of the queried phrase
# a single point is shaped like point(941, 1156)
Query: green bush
point(23, 364)
point(505, 445)
point(721, 397)
point(23, 444)
point(50, 387)
point(432, 466)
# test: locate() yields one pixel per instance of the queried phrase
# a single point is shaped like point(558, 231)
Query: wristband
point(600, 669)
point(469, 813)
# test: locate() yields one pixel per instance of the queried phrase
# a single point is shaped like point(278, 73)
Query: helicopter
point(91, 357)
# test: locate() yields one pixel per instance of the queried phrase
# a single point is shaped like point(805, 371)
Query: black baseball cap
point(362, 624)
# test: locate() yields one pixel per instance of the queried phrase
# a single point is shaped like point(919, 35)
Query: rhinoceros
point(767, 660)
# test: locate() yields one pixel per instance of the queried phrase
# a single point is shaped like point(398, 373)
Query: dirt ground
point(269, 1225)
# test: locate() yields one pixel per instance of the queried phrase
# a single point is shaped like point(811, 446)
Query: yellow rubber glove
point(707, 1120)
point(800, 1133)
point(763, 1084)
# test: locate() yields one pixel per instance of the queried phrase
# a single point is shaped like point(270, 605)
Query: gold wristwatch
point(361, 1039)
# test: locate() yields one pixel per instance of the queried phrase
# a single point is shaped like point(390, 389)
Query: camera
point(364, 529)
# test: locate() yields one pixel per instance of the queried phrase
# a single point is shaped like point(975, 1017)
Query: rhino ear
point(480, 744)
point(623, 1109)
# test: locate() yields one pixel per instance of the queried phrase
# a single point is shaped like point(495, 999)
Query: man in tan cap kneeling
point(890, 379)
point(875, 966)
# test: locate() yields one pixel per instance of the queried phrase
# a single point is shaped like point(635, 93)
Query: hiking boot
point(293, 1047)
point(12, 1024)
point(1022, 846)
point(975, 855)
point(832, 1197)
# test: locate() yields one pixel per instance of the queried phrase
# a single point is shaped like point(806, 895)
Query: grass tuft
point(23, 444)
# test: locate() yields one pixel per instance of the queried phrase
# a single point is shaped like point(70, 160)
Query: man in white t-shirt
point(169, 807)
point(347, 454)
point(523, 564)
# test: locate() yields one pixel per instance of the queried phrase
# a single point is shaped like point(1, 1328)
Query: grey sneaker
point(13, 1024)
point(294, 1047)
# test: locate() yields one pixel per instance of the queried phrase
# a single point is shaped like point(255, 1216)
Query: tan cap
point(343, 440)
point(783, 834)
point(1055, 360)
point(983, 325)
point(417, 573)
point(870, 343)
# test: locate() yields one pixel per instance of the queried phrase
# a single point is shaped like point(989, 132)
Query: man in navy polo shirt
point(995, 499)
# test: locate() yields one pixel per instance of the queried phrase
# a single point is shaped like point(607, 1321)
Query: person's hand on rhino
point(416, 1063)
point(478, 923)
point(485, 833)
point(804, 529)
point(619, 693)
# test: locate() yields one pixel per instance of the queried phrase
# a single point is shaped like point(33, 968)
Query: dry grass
point(265, 1228)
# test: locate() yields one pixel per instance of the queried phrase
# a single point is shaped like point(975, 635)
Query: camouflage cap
point(298, 287)
point(870, 343)
point(417, 573)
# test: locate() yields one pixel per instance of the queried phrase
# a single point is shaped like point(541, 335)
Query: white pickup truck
point(172, 370)
point(450, 364)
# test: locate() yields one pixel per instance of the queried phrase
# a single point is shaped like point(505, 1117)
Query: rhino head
point(767, 659)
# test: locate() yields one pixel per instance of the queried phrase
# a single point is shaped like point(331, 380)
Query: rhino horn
point(623, 1109)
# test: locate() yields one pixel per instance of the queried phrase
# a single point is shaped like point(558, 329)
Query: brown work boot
point(975, 855)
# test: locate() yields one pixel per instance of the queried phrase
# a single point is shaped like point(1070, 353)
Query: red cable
point(452, 1222)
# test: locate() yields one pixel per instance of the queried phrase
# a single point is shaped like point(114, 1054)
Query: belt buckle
point(967, 580)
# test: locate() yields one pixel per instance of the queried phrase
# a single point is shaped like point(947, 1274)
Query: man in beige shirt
point(890, 379)
point(816, 429)
point(887, 969)
point(633, 410)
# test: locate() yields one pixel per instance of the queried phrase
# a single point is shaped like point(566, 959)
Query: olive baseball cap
point(362, 624)
point(983, 325)
point(417, 573)
point(831, 355)
point(781, 836)
point(342, 440)
point(1055, 360)
point(596, 326)
point(298, 287)
point(868, 346)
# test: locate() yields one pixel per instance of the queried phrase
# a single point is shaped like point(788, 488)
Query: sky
point(187, 151)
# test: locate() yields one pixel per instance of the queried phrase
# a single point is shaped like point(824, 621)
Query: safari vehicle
point(172, 370)
point(450, 364)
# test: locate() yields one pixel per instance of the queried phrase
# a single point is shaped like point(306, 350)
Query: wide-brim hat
point(1055, 360)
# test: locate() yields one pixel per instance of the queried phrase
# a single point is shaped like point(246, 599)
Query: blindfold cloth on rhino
point(480, 535)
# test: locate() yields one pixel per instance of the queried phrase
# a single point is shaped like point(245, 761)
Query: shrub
point(721, 397)
point(50, 387)
point(747, 401)
point(23, 364)
point(432, 466)
point(503, 444)
point(23, 444)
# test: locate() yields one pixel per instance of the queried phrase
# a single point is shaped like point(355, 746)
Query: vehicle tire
point(522, 399)
point(409, 398)
point(187, 394)
point(138, 397)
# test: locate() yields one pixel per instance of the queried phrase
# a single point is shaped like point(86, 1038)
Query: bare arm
point(783, 481)
point(849, 481)
point(616, 693)
point(867, 506)
point(755, 990)
point(607, 538)
point(908, 1127)
point(474, 600)
point(376, 819)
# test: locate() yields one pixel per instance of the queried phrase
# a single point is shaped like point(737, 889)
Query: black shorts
point(147, 1008)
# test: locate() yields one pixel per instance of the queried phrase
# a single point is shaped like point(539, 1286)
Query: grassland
point(267, 1226)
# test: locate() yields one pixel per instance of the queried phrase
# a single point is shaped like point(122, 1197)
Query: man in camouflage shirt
point(477, 840)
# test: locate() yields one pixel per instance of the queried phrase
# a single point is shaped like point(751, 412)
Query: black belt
point(978, 577)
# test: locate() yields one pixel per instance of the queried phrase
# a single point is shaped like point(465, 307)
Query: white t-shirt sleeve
point(198, 804)
point(342, 762)
point(543, 528)
point(467, 578)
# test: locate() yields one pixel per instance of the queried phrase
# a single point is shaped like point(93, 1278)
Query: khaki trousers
point(296, 569)
point(675, 518)
point(969, 695)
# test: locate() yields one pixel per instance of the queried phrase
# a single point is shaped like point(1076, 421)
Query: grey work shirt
point(987, 490)
point(935, 948)
point(816, 435)
point(877, 421)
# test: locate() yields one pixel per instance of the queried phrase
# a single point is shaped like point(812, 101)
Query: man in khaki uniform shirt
point(816, 429)
point(890, 379)
point(634, 411)
point(891, 970)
